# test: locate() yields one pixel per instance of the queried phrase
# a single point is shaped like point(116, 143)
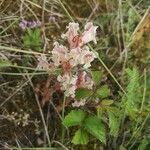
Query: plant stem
point(41, 113)
point(138, 129)
point(19, 50)
point(66, 11)
point(63, 116)
point(108, 70)
point(144, 92)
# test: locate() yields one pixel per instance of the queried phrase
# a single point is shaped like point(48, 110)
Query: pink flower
point(89, 34)
point(29, 24)
point(34, 24)
point(76, 40)
point(23, 24)
point(72, 34)
point(51, 18)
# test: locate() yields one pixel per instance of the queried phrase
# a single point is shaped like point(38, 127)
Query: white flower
point(89, 34)
point(68, 84)
point(59, 54)
point(79, 103)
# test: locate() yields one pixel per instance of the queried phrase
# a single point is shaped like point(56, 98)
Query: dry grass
point(123, 41)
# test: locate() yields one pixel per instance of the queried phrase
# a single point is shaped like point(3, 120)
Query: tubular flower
point(89, 34)
point(88, 57)
point(72, 34)
point(76, 40)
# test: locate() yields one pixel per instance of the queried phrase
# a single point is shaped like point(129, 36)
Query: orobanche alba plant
point(73, 60)
point(71, 64)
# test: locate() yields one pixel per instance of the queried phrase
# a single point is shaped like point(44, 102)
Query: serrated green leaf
point(95, 127)
point(96, 76)
point(114, 123)
point(107, 102)
point(82, 93)
point(75, 117)
point(80, 137)
point(103, 91)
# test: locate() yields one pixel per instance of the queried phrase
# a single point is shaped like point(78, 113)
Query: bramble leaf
point(81, 137)
point(82, 93)
point(95, 127)
point(107, 102)
point(96, 76)
point(103, 91)
point(75, 117)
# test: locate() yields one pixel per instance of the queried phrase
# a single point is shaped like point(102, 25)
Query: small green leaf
point(103, 91)
point(75, 117)
point(82, 93)
point(107, 102)
point(5, 63)
point(114, 123)
point(96, 76)
point(80, 137)
point(95, 127)
point(100, 110)
point(32, 39)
